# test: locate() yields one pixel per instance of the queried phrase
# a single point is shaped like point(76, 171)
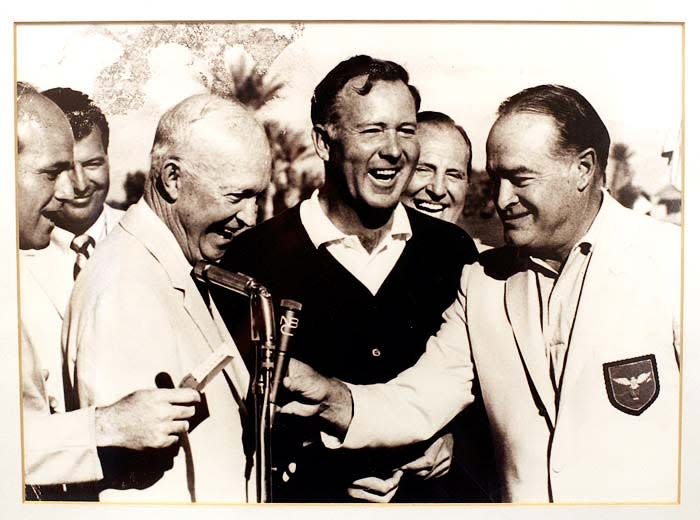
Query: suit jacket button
point(376, 352)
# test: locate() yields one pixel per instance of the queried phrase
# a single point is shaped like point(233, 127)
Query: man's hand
point(436, 461)
point(327, 398)
point(373, 489)
point(146, 418)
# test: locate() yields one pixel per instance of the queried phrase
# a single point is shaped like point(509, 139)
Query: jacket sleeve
point(115, 342)
point(58, 448)
point(422, 399)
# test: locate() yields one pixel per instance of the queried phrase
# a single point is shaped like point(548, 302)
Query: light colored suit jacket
point(58, 447)
point(135, 311)
point(609, 438)
point(48, 277)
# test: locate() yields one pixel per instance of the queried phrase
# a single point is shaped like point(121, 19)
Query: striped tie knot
point(82, 245)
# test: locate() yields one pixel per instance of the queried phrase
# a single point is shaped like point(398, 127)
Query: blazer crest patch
point(632, 384)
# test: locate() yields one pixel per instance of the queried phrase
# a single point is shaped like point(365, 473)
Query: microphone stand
point(263, 334)
point(263, 328)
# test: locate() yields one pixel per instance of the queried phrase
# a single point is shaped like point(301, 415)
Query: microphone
point(237, 282)
point(163, 380)
point(289, 322)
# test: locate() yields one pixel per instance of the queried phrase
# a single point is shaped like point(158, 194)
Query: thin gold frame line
point(17, 260)
point(354, 21)
point(682, 267)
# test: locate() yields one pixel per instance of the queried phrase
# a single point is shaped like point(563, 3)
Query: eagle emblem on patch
point(632, 384)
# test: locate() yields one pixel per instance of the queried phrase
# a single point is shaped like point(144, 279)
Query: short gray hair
point(175, 126)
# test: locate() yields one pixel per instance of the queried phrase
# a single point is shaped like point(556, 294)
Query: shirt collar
point(587, 242)
point(98, 230)
point(63, 238)
point(322, 231)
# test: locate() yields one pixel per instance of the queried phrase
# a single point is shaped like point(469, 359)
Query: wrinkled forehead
point(524, 132)
point(443, 140)
point(432, 132)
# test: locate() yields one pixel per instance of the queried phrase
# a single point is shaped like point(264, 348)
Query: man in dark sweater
point(373, 276)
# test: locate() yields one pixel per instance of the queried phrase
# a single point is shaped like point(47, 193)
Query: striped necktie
point(82, 245)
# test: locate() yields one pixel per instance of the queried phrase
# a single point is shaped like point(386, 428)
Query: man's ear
point(585, 165)
point(170, 179)
point(322, 141)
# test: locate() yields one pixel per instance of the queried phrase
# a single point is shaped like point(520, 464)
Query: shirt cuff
point(61, 448)
point(358, 430)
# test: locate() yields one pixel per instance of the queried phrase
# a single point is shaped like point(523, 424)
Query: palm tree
point(245, 83)
point(621, 182)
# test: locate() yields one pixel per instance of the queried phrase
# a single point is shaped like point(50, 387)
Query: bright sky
point(630, 73)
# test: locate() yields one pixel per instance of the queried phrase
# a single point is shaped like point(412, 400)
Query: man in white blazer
point(136, 311)
point(61, 448)
point(572, 329)
point(51, 271)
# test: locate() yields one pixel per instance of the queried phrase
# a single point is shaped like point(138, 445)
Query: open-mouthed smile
point(384, 175)
point(429, 206)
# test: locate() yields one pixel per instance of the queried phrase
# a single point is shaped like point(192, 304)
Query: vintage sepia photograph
point(321, 262)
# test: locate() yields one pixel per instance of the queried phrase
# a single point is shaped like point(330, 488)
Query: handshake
point(315, 395)
point(153, 421)
point(330, 400)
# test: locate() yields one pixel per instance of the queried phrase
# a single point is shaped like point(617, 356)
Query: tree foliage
point(621, 182)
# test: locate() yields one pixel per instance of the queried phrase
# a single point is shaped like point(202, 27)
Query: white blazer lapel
point(236, 369)
point(215, 336)
point(586, 336)
point(112, 217)
point(158, 239)
point(214, 330)
point(522, 308)
point(197, 309)
point(607, 262)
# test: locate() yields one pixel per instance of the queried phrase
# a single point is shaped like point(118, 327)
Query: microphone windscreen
point(163, 380)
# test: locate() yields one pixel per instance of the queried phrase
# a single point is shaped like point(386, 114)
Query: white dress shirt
point(560, 292)
point(369, 268)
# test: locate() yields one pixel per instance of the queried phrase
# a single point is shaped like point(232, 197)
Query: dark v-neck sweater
point(346, 331)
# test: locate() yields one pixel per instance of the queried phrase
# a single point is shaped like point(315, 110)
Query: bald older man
point(136, 311)
point(61, 448)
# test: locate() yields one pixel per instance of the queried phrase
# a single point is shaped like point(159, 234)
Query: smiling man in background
point(87, 212)
point(439, 185)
